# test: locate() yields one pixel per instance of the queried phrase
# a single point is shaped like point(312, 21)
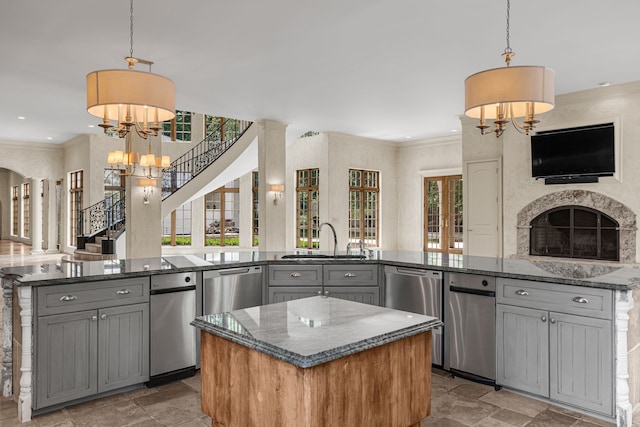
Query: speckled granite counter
point(579, 273)
point(311, 331)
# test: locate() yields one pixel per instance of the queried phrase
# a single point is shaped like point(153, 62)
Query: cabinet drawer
point(295, 275)
point(583, 301)
point(90, 295)
point(351, 275)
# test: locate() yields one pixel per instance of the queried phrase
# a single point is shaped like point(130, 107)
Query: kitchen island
point(316, 361)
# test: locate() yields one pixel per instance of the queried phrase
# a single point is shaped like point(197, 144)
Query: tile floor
point(455, 402)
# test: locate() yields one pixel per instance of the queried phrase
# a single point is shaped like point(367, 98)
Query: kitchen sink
point(321, 256)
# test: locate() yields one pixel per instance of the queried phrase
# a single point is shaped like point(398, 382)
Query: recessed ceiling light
point(49, 137)
point(21, 117)
point(604, 84)
point(91, 126)
point(408, 137)
point(454, 130)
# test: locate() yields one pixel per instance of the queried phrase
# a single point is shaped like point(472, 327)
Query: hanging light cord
point(131, 30)
point(508, 53)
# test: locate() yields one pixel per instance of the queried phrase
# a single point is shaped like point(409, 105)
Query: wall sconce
point(277, 189)
point(148, 184)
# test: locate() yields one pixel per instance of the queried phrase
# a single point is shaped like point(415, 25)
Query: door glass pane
point(434, 205)
point(455, 214)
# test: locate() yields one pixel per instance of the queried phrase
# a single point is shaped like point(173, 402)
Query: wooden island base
point(388, 386)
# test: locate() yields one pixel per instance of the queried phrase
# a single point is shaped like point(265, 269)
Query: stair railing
point(194, 161)
point(102, 216)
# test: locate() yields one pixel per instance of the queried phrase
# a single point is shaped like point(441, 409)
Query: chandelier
point(134, 99)
point(504, 94)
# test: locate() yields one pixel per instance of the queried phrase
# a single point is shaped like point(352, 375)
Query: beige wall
point(620, 103)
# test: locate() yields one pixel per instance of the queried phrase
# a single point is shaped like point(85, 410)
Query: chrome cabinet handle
point(349, 275)
point(319, 292)
point(543, 318)
point(522, 293)
point(103, 316)
point(294, 274)
point(123, 292)
point(94, 318)
point(552, 320)
point(326, 293)
point(68, 298)
point(580, 300)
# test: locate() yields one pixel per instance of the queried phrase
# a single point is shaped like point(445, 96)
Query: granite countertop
point(311, 331)
point(607, 275)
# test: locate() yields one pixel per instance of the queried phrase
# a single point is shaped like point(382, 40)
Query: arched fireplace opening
point(575, 232)
point(561, 224)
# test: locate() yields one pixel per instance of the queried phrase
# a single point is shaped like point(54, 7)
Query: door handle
point(543, 318)
point(552, 320)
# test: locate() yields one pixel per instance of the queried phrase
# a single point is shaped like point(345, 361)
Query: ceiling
point(384, 69)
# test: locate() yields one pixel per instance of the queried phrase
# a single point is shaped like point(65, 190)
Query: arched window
point(575, 232)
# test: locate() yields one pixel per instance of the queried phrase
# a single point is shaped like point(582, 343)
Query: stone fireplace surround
point(616, 210)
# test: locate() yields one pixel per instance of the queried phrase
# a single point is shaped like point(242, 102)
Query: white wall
point(417, 160)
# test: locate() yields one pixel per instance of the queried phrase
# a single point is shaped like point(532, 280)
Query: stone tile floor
point(456, 402)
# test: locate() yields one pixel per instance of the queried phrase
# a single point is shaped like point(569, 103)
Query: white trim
point(623, 408)
point(440, 172)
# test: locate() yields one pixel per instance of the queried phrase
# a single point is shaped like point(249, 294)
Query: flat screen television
point(574, 152)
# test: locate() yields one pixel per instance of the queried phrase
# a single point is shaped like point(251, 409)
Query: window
point(364, 207)
point(575, 232)
point(176, 227)
point(178, 128)
point(443, 214)
point(307, 208)
point(75, 204)
point(15, 210)
point(222, 216)
point(225, 129)
point(114, 181)
point(25, 209)
point(256, 229)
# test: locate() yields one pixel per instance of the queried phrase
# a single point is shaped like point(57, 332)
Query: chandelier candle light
point(135, 100)
point(506, 93)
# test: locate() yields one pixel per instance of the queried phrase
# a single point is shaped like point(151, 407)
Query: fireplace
point(577, 224)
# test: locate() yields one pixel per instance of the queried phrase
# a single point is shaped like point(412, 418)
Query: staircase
point(100, 224)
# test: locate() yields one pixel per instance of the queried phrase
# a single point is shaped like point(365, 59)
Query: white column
point(36, 217)
point(272, 171)
point(143, 220)
point(246, 211)
point(26, 315)
point(52, 217)
point(624, 409)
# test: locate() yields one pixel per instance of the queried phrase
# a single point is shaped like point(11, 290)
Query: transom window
point(364, 207)
point(575, 232)
point(307, 208)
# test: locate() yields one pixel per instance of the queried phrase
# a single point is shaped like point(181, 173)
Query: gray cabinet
point(564, 353)
point(354, 282)
point(80, 353)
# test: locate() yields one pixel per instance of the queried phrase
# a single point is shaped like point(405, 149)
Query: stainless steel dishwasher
point(174, 344)
point(471, 327)
point(232, 289)
point(418, 291)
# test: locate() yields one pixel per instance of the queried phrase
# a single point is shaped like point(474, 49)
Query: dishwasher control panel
point(173, 280)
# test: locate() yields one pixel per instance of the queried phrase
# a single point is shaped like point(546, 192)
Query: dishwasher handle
point(472, 291)
point(418, 273)
point(234, 271)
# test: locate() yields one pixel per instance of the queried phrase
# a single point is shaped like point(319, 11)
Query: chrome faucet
point(335, 238)
point(361, 247)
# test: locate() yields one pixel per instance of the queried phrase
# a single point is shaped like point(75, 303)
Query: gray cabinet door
point(364, 294)
point(581, 360)
point(522, 337)
point(288, 293)
point(123, 346)
point(66, 364)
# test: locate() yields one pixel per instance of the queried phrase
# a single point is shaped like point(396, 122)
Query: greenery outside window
point(364, 207)
point(176, 227)
point(178, 128)
point(443, 230)
point(307, 208)
point(222, 216)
